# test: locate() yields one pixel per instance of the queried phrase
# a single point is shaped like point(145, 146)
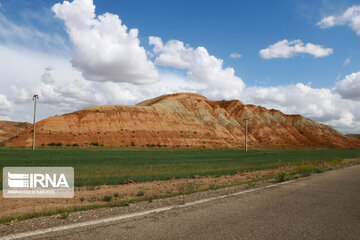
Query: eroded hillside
point(181, 120)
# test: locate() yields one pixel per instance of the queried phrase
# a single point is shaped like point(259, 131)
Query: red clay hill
point(183, 120)
point(10, 129)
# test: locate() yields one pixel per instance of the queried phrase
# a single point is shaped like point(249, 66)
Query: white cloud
point(319, 104)
point(5, 107)
point(346, 62)
point(20, 95)
point(235, 55)
point(294, 99)
point(349, 87)
point(287, 49)
point(201, 66)
point(104, 49)
point(350, 17)
point(63, 89)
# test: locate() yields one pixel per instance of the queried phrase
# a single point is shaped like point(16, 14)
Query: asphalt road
point(322, 206)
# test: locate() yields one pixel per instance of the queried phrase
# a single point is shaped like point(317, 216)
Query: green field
point(108, 166)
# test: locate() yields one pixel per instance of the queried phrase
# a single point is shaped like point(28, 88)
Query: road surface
point(322, 206)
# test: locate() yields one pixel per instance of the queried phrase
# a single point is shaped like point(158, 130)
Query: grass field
point(108, 166)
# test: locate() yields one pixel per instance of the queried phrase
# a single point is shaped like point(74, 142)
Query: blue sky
point(317, 75)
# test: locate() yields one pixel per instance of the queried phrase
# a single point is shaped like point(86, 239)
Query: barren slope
point(353, 136)
point(11, 129)
point(182, 120)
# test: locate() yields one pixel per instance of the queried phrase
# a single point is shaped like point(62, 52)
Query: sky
point(301, 57)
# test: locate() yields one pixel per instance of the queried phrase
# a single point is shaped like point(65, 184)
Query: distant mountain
point(185, 120)
point(9, 129)
point(353, 136)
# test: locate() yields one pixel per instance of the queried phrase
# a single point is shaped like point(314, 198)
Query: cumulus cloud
point(103, 48)
point(235, 55)
point(61, 94)
point(294, 99)
point(349, 87)
point(200, 65)
point(288, 49)
point(5, 107)
point(20, 95)
point(320, 104)
point(350, 17)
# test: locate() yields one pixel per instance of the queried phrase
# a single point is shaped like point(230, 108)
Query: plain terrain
point(113, 166)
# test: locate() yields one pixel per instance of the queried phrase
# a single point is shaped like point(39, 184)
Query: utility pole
point(246, 131)
point(35, 97)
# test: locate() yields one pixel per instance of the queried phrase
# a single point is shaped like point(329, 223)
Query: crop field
point(109, 166)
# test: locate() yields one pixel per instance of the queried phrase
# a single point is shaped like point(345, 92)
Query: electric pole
point(246, 131)
point(35, 97)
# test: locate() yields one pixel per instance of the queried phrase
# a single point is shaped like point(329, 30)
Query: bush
point(54, 144)
point(64, 215)
point(281, 177)
point(94, 143)
point(75, 145)
point(132, 144)
point(140, 193)
point(106, 198)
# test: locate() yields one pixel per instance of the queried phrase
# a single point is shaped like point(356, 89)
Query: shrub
point(54, 144)
point(106, 198)
point(75, 145)
point(140, 193)
point(281, 177)
point(133, 144)
point(94, 143)
point(64, 215)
